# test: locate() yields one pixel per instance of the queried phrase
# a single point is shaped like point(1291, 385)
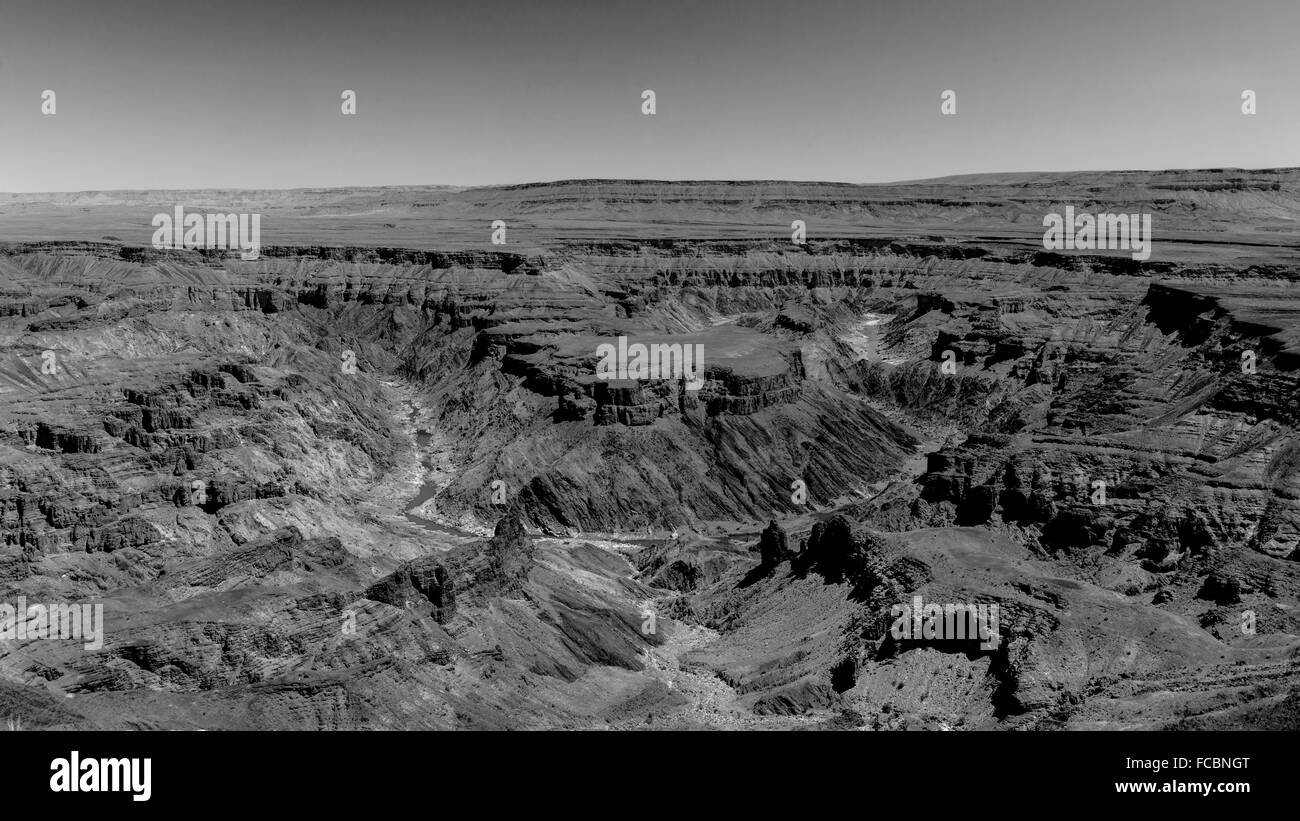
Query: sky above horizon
point(246, 94)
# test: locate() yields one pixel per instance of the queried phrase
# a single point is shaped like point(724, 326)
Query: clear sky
point(182, 94)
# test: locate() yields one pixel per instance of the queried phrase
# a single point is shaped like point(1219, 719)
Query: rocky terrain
point(373, 480)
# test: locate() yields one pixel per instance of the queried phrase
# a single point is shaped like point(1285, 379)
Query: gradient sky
point(181, 94)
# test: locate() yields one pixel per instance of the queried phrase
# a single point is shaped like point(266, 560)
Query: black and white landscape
point(644, 447)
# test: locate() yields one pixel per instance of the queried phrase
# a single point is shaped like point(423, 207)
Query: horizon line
point(949, 178)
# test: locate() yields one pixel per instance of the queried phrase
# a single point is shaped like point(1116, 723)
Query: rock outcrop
point(425, 582)
point(772, 546)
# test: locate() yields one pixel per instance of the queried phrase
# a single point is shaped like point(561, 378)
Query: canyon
point(471, 529)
